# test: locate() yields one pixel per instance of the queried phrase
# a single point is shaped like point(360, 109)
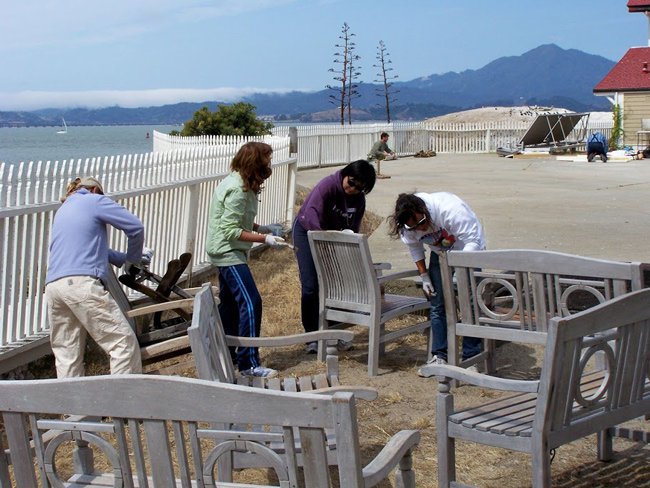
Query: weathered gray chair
point(512, 294)
point(573, 399)
point(156, 432)
point(350, 291)
point(210, 346)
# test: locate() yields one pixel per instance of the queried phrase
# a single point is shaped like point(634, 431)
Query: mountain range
point(547, 75)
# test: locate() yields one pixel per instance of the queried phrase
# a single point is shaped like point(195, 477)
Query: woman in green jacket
point(231, 233)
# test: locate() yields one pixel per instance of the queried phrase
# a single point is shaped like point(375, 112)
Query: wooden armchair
point(350, 291)
point(511, 295)
point(210, 347)
point(160, 431)
point(574, 398)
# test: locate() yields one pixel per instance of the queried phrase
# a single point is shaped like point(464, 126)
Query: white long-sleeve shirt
point(455, 226)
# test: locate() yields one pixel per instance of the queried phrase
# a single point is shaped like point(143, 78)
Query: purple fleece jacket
point(328, 207)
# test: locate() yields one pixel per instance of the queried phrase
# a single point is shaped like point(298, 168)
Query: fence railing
point(170, 192)
point(331, 144)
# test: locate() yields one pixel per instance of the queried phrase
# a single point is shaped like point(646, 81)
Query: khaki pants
point(80, 305)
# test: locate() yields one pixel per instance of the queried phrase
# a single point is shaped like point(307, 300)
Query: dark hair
point(252, 164)
point(406, 206)
point(383, 134)
point(361, 171)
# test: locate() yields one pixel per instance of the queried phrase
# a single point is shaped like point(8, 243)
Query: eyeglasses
point(418, 224)
point(356, 185)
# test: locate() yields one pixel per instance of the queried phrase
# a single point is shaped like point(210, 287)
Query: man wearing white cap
point(78, 302)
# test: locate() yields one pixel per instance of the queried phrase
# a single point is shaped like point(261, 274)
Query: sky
point(91, 54)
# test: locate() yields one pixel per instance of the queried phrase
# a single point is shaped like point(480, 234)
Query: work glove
point(273, 241)
point(147, 255)
point(275, 229)
point(131, 268)
point(427, 286)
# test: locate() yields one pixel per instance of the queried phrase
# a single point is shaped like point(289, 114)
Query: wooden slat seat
point(350, 288)
point(594, 378)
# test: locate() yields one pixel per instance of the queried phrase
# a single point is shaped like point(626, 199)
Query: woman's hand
point(273, 241)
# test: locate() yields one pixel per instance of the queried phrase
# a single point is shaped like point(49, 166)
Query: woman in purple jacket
point(337, 202)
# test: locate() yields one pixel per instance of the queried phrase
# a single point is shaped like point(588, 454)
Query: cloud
point(26, 24)
point(34, 100)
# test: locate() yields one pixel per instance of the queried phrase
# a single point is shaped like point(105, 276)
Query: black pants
point(596, 148)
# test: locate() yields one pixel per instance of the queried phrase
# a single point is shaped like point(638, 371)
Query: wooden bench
point(159, 431)
point(350, 288)
point(574, 398)
point(511, 295)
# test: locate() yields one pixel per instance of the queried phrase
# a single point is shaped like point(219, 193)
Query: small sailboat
point(65, 128)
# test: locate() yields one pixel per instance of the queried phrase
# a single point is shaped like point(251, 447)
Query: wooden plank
point(160, 458)
point(21, 454)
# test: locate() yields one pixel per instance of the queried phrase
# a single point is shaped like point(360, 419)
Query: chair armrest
point(397, 276)
point(161, 307)
point(196, 289)
point(446, 372)
point(289, 340)
point(389, 457)
point(367, 393)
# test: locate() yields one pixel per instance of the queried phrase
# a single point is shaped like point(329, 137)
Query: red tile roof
point(632, 73)
point(638, 5)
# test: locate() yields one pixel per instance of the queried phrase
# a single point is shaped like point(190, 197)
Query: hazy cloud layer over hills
point(546, 75)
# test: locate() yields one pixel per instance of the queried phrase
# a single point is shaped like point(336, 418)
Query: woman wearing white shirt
point(441, 221)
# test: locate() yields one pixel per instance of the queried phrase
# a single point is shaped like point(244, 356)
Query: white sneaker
point(259, 372)
point(344, 345)
point(473, 368)
point(311, 348)
point(434, 360)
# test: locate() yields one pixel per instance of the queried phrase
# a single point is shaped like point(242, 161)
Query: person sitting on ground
point(597, 146)
point(443, 222)
point(231, 233)
point(337, 202)
point(78, 302)
point(380, 149)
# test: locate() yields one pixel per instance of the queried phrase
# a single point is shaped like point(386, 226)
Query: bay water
point(24, 144)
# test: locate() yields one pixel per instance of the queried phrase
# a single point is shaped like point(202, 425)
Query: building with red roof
point(628, 85)
point(638, 6)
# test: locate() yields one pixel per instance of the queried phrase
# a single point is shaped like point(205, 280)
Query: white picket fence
point(170, 192)
point(332, 144)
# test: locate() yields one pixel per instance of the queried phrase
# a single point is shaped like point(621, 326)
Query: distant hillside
point(547, 76)
point(537, 77)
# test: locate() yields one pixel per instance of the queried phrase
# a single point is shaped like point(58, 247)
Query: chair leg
point(322, 347)
point(491, 359)
point(541, 465)
point(373, 349)
point(605, 450)
point(446, 444)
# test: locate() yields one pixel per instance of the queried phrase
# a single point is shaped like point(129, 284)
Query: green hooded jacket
point(231, 211)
